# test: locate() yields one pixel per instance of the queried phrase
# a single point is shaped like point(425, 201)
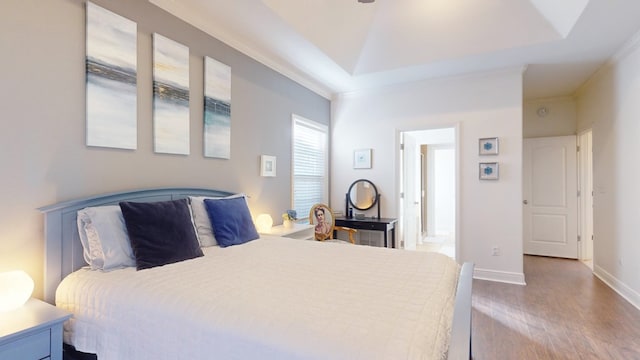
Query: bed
point(269, 298)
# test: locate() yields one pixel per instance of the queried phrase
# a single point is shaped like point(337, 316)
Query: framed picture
point(489, 171)
point(488, 146)
point(171, 114)
point(362, 159)
point(267, 166)
point(322, 219)
point(217, 109)
point(111, 84)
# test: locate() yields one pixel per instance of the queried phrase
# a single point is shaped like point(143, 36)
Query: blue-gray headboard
point(63, 250)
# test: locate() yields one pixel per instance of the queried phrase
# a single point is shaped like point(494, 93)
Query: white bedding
point(272, 298)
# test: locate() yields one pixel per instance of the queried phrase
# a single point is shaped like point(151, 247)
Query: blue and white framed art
point(217, 109)
point(488, 146)
point(489, 171)
point(111, 68)
point(362, 159)
point(170, 96)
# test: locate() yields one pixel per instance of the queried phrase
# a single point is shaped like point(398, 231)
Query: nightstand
point(298, 231)
point(32, 332)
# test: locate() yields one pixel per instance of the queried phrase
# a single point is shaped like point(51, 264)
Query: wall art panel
point(170, 96)
point(217, 109)
point(111, 79)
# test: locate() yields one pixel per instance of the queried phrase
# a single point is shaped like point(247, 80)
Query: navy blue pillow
point(160, 232)
point(231, 221)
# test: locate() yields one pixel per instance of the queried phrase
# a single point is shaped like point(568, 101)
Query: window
point(309, 162)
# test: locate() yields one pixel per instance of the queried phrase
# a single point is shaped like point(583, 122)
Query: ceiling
point(338, 46)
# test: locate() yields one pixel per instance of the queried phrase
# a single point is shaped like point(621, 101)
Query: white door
point(411, 190)
point(550, 197)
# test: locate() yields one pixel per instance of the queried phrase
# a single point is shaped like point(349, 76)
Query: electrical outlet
point(495, 251)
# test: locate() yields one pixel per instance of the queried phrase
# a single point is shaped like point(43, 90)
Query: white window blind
point(309, 165)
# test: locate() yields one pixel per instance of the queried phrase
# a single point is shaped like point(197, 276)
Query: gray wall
point(43, 155)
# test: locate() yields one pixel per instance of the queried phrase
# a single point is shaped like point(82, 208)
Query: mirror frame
point(375, 197)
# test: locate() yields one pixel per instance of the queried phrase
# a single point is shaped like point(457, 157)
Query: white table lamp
point(16, 288)
point(264, 222)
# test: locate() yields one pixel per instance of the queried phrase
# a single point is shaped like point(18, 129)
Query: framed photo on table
point(322, 219)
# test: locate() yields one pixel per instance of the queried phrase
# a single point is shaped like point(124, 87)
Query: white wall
point(560, 119)
point(610, 104)
point(483, 105)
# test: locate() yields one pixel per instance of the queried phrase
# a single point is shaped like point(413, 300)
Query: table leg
point(393, 238)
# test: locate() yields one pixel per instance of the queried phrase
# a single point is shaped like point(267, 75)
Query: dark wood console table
point(374, 224)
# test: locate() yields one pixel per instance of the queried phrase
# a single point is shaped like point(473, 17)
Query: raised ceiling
point(337, 46)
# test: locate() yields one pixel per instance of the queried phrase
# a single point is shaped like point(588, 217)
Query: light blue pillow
point(231, 221)
point(104, 238)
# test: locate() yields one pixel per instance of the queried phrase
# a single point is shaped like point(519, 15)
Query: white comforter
point(272, 298)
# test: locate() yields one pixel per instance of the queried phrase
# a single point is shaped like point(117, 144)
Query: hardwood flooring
point(564, 312)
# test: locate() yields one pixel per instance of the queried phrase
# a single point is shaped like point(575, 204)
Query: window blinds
point(309, 163)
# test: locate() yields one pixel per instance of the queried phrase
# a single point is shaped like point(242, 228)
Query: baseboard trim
point(499, 276)
point(618, 286)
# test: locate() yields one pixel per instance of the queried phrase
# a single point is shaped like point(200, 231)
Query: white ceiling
point(337, 46)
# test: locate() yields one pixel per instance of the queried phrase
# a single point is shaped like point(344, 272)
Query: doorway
point(428, 190)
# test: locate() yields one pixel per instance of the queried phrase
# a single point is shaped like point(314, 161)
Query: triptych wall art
point(170, 96)
point(111, 79)
point(217, 109)
point(112, 90)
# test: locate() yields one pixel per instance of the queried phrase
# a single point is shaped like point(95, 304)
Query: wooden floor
point(564, 312)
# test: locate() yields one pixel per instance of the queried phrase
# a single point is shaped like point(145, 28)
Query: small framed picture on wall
point(488, 146)
point(362, 159)
point(489, 171)
point(267, 166)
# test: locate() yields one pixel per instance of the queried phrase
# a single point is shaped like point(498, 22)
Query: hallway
point(441, 244)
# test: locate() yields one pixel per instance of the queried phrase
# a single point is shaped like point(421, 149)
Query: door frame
point(410, 203)
point(399, 181)
point(585, 203)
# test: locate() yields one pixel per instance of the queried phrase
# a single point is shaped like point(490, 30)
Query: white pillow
point(201, 219)
point(92, 252)
point(104, 237)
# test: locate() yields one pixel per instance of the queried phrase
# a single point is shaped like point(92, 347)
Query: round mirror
point(363, 195)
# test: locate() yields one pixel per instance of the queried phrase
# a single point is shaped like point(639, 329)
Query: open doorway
point(428, 174)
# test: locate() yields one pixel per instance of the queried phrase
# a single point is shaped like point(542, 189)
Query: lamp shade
point(15, 289)
point(264, 222)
